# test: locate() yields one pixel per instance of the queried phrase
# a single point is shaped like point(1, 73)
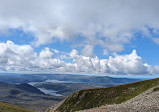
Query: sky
point(80, 36)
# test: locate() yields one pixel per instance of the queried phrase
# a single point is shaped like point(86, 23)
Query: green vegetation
point(91, 98)
point(11, 108)
point(156, 89)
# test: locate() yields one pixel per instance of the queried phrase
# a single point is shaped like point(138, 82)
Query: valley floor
point(145, 102)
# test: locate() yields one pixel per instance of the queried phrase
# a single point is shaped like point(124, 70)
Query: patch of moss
point(91, 98)
point(156, 89)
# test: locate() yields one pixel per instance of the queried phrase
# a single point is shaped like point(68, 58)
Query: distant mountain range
point(27, 78)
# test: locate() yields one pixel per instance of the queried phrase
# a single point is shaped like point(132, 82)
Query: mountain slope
point(148, 101)
point(29, 88)
point(91, 98)
point(27, 96)
point(11, 108)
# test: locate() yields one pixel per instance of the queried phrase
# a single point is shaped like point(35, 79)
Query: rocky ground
point(54, 107)
point(145, 102)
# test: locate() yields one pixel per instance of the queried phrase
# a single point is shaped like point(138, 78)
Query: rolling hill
point(27, 96)
point(12, 108)
point(91, 98)
point(145, 102)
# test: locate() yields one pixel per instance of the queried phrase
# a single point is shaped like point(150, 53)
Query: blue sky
point(144, 46)
point(99, 38)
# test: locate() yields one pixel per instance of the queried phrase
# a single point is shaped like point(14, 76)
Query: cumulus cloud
point(105, 52)
point(128, 64)
point(88, 51)
point(118, 64)
point(110, 24)
point(16, 57)
point(46, 53)
point(23, 58)
point(56, 51)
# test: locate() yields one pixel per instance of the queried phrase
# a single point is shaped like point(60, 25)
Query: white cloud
point(56, 51)
point(16, 57)
point(105, 52)
point(128, 64)
point(22, 58)
point(156, 40)
point(108, 23)
point(119, 64)
point(74, 54)
point(88, 51)
point(46, 53)
point(155, 69)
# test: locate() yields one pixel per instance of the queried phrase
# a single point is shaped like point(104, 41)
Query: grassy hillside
point(90, 98)
point(11, 108)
